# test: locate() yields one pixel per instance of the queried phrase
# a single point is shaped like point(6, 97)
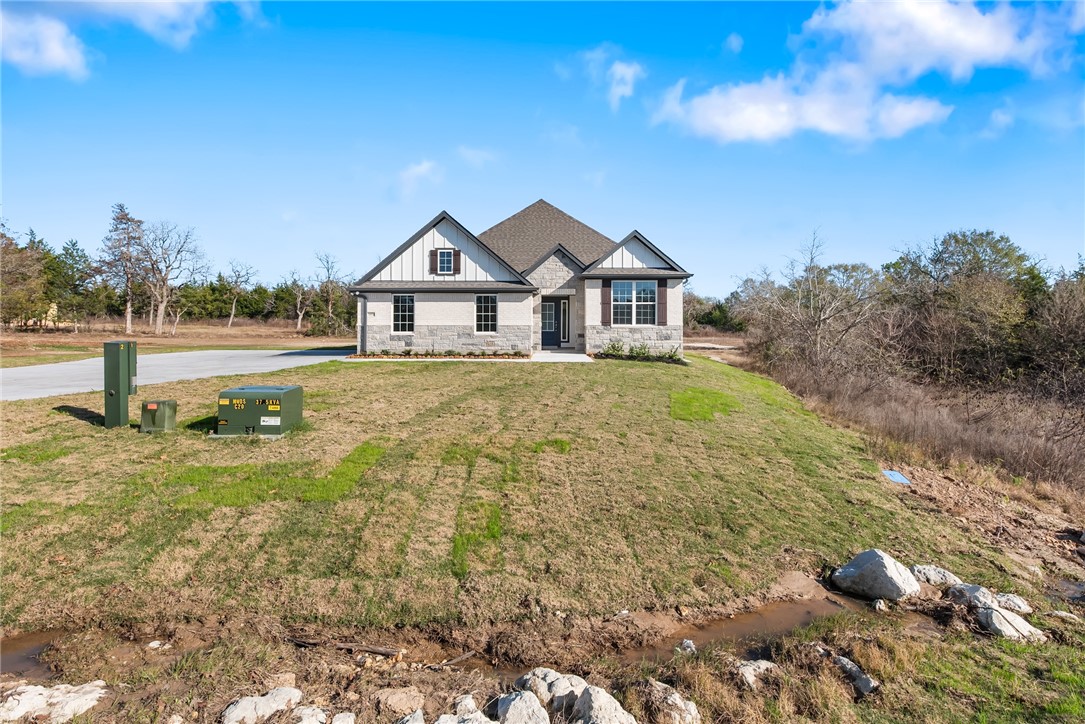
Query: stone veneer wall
point(658, 339)
point(440, 338)
point(557, 276)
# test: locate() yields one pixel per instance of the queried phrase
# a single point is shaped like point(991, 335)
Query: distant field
point(448, 493)
point(20, 349)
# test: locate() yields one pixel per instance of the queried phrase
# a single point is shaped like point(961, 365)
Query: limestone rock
point(400, 701)
point(563, 694)
point(880, 606)
point(1009, 625)
point(596, 706)
point(752, 671)
point(417, 717)
point(863, 683)
point(465, 705)
point(1064, 615)
point(670, 706)
point(538, 682)
point(344, 718)
point(973, 596)
point(59, 703)
point(1012, 602)
point(935, 576)
point(521, 707)
point(308, 715)
point(254, 709)
point(875, 574)
point(687, 647)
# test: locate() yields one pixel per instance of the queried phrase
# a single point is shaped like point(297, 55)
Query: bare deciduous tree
point(303, 295)
point(239, 280)
point(168, 254)
point(331, 284)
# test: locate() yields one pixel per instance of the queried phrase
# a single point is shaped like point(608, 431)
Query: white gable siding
point(476, 264)
point(634, 255)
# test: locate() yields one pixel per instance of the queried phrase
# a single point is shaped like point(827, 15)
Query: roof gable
point(632, 253)
point(531, 235)
point(410, 261)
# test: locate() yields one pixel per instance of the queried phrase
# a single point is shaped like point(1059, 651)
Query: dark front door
point(551, 323)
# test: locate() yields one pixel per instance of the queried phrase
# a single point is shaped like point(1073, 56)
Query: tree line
point(964, 345)
point(156, 273)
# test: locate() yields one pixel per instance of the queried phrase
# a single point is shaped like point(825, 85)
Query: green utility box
point(264, 410)
point(158, 416)
point(120, 381)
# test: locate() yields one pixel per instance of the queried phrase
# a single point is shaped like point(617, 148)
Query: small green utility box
point(158, 416)
point(265, 410)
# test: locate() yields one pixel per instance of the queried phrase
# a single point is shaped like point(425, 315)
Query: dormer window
point(444, 261)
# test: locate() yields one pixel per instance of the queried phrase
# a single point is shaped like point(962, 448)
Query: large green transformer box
point(120, 381)
point(259, 410)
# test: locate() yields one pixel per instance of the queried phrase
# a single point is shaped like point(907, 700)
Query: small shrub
point(640, 351)
point(613, 348)
point(450, 353)
point(386, 352)
point(407, 352)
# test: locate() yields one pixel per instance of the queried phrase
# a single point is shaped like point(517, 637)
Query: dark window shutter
point(661, 302)
point(433, 261)
point(605, 297)
point(455, 261)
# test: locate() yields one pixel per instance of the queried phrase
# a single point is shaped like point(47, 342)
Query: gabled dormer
point(635, 256)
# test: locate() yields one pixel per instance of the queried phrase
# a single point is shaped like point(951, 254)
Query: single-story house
point(540, 279)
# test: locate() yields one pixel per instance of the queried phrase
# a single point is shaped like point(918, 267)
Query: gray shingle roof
point(526, 235)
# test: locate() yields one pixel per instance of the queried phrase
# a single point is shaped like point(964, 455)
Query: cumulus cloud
point(618, 76)
point(734, 43)
point(477, 157)
point(998, 122)
point(44, 42)
point(40, 45)
point(425, 171)
point(171, 22)
point(848, 92)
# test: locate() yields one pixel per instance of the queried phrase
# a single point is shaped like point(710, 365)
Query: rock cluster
point(876, 575)
point(256, 709)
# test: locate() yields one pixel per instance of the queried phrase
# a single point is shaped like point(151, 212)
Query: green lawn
point(451, 492)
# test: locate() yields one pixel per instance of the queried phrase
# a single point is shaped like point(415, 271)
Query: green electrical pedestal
point(264, 410)
point(120, 381)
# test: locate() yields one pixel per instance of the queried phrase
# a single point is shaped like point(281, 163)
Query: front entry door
point(551, 323)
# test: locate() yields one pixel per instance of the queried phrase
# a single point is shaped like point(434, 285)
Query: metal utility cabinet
point(120, 381)
point(158, 416)
point(265, 410)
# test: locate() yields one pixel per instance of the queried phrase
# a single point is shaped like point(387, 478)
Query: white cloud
point(416, 174)
point(622, 76)
point(167, 21)
point(844, 91)
point(618, 76)
point(734, 43)
point(40, 45)
point(477, 157)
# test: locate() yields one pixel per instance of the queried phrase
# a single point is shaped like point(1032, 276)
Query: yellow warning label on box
point(273, 407)
point(224, 401)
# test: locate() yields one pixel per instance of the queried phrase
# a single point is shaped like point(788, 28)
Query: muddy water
point(1072, 591)
point(19, 654)
point(752, 629)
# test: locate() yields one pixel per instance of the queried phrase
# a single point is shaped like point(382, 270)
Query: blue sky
point(727, 133)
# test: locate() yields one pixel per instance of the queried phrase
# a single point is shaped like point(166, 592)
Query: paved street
point(64, 378)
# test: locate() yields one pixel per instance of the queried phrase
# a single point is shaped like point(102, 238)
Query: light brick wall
point(558, 274)
point(658, 338)
point(446, 321)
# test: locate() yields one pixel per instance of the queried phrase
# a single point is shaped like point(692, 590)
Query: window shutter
point(605, 297)
point(661, 302)
point(432, 261)
point(455, 261)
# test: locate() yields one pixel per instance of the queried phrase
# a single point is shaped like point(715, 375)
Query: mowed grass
point(446, 492)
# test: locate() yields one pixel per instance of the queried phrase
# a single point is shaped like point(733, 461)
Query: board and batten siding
point(634, 255)
point(476, 264)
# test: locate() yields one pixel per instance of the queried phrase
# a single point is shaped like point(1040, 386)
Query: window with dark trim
point(485, 312)
point(402, 312)
point(444, 261)
point(633, 302)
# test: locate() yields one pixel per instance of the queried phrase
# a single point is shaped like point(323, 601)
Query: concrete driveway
point(88, 375)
